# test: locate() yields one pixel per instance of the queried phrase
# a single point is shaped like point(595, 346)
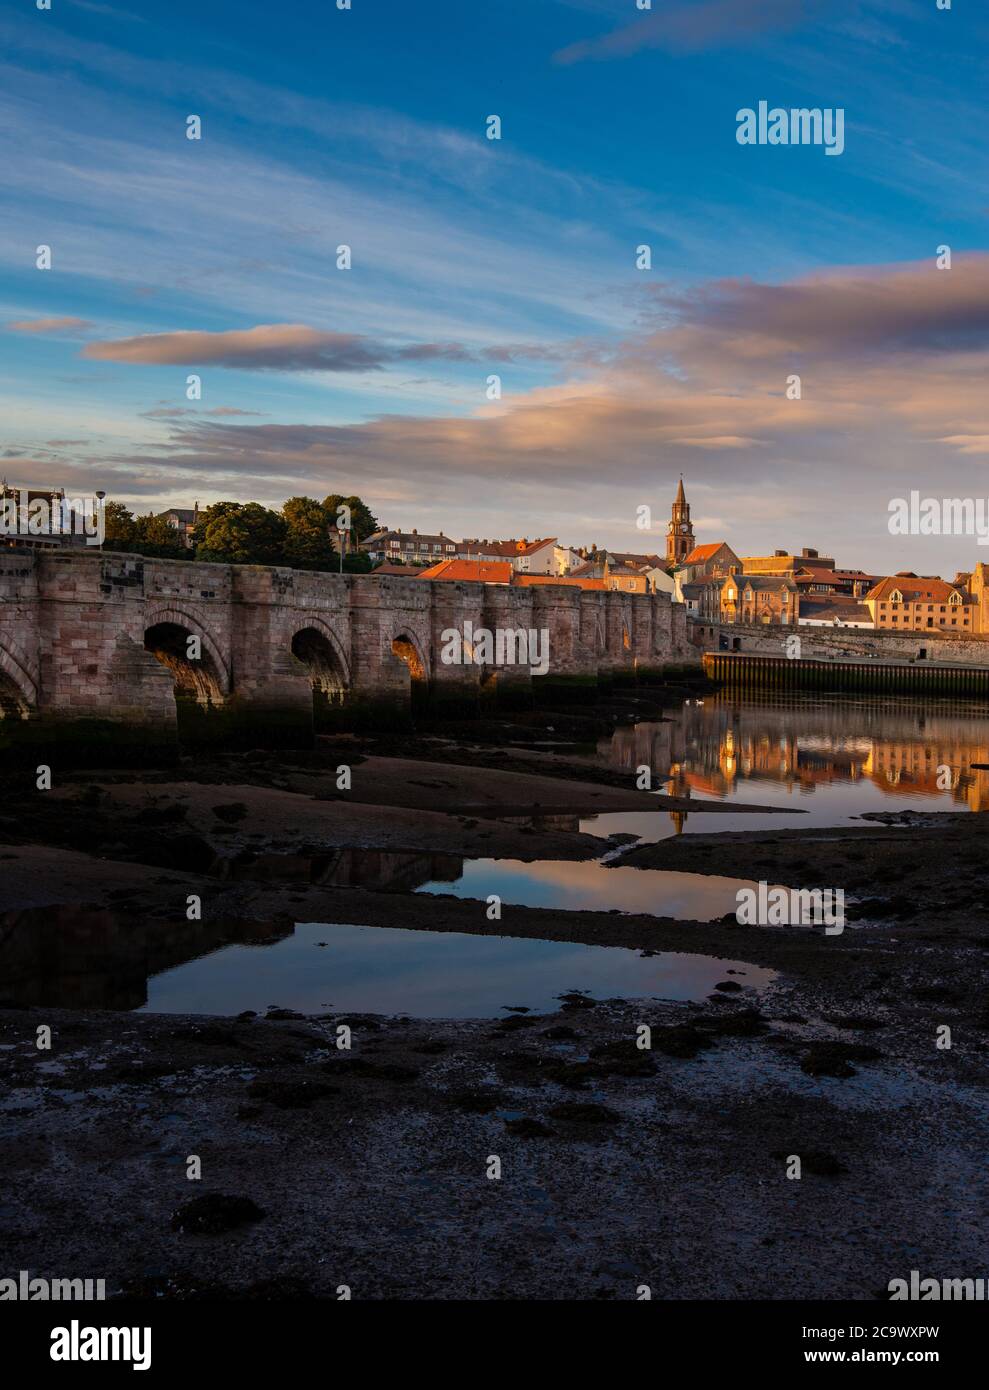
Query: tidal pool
point(392, 970)
point(591, 886)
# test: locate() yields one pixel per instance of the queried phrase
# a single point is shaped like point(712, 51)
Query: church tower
point(679, 533)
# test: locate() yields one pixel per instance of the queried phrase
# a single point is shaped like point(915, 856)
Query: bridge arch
point(166, 635)
point(215, 669)
point(409, 647)
point(320, 650)
point(18, 691)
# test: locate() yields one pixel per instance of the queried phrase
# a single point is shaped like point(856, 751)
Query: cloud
point(279, 346)
point(62, 325)
point(295, 347)
point(692, 27)
point(849, 312)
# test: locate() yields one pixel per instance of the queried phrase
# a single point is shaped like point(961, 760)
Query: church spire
point(679, 533)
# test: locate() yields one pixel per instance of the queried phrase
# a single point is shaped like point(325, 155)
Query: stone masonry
point(118, 642)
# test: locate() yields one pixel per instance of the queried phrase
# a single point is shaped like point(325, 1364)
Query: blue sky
point(517, 257)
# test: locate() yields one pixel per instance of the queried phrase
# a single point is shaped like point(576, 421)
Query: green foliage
point(302, 535)
point(363, 521)
point(357, 562)
point(307, 538)
point(121, 528)
point(246, 534)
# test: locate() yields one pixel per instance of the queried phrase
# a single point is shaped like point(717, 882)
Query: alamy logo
point(35, 516)
point(940, 516)
point(963, 1290)
point(505, 646)
point(791, 907)
point(797, 125)
point(26, 1290)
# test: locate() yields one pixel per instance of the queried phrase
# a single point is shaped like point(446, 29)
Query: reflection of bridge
point(78, 958)
point(93, 638)
point(72, 958)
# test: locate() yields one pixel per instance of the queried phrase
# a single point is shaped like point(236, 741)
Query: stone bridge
point(104, 646)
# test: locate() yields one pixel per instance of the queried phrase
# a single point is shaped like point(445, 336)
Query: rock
point(479, 1101)
point(292, 1093)
point(833, 1058)
point(728, 986)
point(214, 1213)
point(575, 1000)
point(526, 1128)
point(561, 1033)
point(585, 1113)
point(375, 1071)
point(680, 1040)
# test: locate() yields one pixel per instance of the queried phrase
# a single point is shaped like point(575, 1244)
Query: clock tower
point(679, 533)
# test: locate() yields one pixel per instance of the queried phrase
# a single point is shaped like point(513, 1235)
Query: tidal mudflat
point(622, 1164)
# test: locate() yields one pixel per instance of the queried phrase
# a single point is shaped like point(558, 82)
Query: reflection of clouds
point(592, 887)
point(429, 974)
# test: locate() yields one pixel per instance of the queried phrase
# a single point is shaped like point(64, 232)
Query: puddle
point(392, 970)
point(591, 887)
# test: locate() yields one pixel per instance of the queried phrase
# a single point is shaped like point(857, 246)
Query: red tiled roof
point(478, 571)
point(527, 580)
point(916, 590)
point(703, 552)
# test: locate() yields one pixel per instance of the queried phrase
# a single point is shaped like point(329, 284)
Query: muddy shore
point(368, 1166)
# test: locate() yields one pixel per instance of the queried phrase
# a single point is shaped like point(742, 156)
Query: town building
point(409, 547)
point(716, 560)
point(185, 520)
point(819, 580)
point(623, 578)
point(833, 610)
point(907, 602)
point(759, 598)
point(785, 562)
point(525, 556)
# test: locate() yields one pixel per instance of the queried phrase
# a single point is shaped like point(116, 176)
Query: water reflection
point(837, 755)
point(593, 887)
point(77, 958)
point(431, 974)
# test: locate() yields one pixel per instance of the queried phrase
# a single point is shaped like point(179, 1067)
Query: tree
point(357, 562)
point(156, 537)
point(207, 516)
point(121, 528)
point(307, 538)
point(247, 534)
point(363, 521)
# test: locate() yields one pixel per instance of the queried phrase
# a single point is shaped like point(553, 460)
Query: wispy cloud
point(52, 325)
point(690, 27)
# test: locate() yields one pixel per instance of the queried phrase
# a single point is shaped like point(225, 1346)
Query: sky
point(514, 258)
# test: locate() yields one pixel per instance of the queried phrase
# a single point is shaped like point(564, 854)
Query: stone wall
point(850, 643)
